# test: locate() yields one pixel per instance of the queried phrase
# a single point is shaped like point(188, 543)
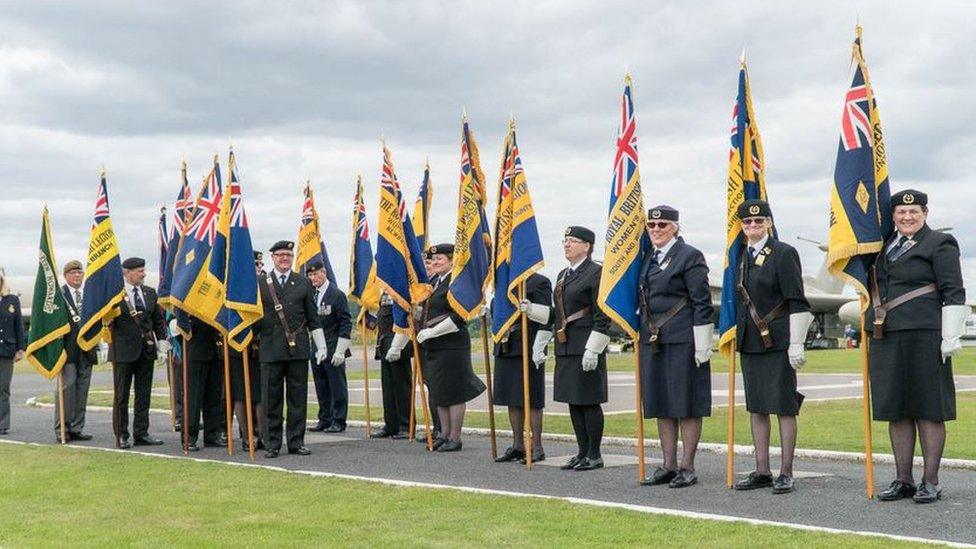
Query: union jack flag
point(204, 223)
point(625, 159)
point(750, 135)
point(101, 203)
point(855, 123)
point(389, 181)
point(184, 206)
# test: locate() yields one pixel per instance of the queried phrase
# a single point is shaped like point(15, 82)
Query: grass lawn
point(208, 504)
point(832, 425)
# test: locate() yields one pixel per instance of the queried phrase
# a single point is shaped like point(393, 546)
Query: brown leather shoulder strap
point(280, 311)
point(881, 309)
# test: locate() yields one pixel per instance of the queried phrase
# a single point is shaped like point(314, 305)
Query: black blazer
point(75, 354)
point(681, 273)
point(12, 338)
point(384, 330)
point(778, 278)
point(205, 342)
point(298, 301)
point(538, 289)
point(934, 258)
point(336, 321)
point(579, 290)
point(436, 308)
point(133, 334)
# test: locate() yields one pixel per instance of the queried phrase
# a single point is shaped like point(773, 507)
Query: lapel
point(665, 261)
point(916, 238)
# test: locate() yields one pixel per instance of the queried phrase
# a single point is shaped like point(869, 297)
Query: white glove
point(536, 313)
point(542, 338)
point(396, 348)
point(953, 321)
point(595, 345)
point(485, 311)
point(799, 325)
point(339, 356)
point(163, 346)
point(321, 350)
point(444, 327)
point(102, 352)
point(703, 343)
point(174, 327)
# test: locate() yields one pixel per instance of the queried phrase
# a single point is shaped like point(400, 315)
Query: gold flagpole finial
point(628, 79)
point(216, 159)
point(427, 162)
point(162, 209)
point(511, 120)
point(103, 172)
point(857, 28)
point(464, 113)
point(742, 57)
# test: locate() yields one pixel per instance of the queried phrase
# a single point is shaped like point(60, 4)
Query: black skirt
point(237, 379)
point(450, 377)
point(908, 378)
point(770, 384)
point(509, 390)
point(574, 386)
point(672, 383)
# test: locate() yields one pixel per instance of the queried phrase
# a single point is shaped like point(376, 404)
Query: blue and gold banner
point(421, 209)
point(310, 246)
point(242, 307)
point(104, 287)
point(181, 218)
point(363, 288)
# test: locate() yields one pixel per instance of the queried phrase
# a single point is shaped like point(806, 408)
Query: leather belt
point(280, 311)
point(762, 322)
point(435, 321)
point(654, 325)
point(881, 309)
point(561, 332)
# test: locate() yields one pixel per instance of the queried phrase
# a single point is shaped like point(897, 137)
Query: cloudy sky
point(307, 89)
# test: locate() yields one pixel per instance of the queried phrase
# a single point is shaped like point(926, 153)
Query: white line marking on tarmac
point(492, 492)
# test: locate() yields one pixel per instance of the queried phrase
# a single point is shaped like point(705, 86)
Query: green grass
point(123, 502)
point(831, 425)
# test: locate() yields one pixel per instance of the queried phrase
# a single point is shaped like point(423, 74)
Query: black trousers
point(395, 380)
point(281, 380)
point(205, 383)
point(75, 380)
point(138, 374)
point(332, 392)
point(176, 386)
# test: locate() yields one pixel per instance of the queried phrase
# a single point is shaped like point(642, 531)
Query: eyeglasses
point(658, 224)
point(753, 220)
point(283, 254)
point(571, 240)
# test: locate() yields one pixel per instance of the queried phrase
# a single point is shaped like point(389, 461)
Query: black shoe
point(382, 433)
point(78, 436)
point(300, 451)
point(215, 443)
point(192, 447)
point(450, 446)
point(271, 454)
point(124, 444)
point(897, 490)
point(178, 427)
point(783, 484)
point(588, 464)
point(537, 456)
point(683, 479)
point(511, 454)
point(422, 437)
point(571, 464)
point(4, 431)
point(318, 427)
point(335, 428)
point(399, 435)
point(438, 442)
point(927, 493)
point(754, 481)
point(57, 438)
point(147, 441)
point(659, 476)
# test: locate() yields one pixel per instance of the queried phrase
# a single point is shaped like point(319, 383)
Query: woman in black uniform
point(580, 379)
point(676, 344)
point(509, 389)
point(917, 313)
point(13, 343)
point(773, 319)
point(446, 348)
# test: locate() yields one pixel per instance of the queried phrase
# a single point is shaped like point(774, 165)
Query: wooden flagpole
point(227, 398)
point(491, 399)
point(369, 426)
point(169, 382)
point(64, 429)
point(641, 471)
point(730, 424)
point(866, 376)
point(526, 422)
point(248, 401)
point(186, 399)
point(419, 381)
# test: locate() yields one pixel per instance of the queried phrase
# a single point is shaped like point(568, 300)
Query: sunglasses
point(753, 220)
point(658, 224)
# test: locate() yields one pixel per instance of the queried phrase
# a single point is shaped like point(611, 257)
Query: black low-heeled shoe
point(897, 490)
point(537, 456)
point(659, 476)
point(511, 454)
point(683, 479)
point(450, 446)
point(783, 484)
point(589, 464)
point(927, 493)
point(754, 481)
point(571, 464)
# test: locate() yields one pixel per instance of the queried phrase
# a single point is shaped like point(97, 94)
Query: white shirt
point(278, 274)
point(574, 266)
point(77, 293)
point(758, 246)
point(320, 293)
point(665, 249)
point(894, 241)
point(129, 288)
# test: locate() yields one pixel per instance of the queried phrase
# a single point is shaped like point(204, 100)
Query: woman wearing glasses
point(675, 345)
point(773, 317)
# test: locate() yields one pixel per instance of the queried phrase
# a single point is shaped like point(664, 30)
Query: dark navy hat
point(258, 256)
point(662, 213)
point(446, 249)
point(282, 245)
point(581, 233)
point(754, 208)
point(314, 266)
point(909, 197)
point(134, 263)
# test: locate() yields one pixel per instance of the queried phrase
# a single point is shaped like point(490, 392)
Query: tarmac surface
point(829, 493)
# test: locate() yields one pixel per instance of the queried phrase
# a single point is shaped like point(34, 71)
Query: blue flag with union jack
point(363, 288)
point(860, 199)
point(311, 246)
point(746, 181)
point(104, 287)
point(421, 209)
point(183, 211)
point(242, 307)
point(626, 237)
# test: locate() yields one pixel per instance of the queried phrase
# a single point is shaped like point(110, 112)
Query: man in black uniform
point(289, 318)
point(138, 336)
point(76, 373)
point(394, 376)
point(331, 388)
point(205, 353)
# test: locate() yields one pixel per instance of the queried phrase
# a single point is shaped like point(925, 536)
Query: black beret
point(445, 248)
point(662, 213)
point(754, 208)
point(314, 266)
point(282, 245)
point(134, 263)
point(581, 233)
point(909, 197)
point(258, 256)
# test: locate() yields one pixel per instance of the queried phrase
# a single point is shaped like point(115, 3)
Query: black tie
point(281, 280)
point(896, 251)
point(318, 296)
point(140, 305)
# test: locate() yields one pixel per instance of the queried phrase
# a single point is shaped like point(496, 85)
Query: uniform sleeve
point(345, 319)
point(696, 280)
point(601, 322)
point(541, 294)
point(159, 321)
point(791, 281)
point(19, 326)
point(312, 321)
point(458, 320)
point(948, 272)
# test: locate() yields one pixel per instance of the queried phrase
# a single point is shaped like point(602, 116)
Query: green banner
point(49, 312)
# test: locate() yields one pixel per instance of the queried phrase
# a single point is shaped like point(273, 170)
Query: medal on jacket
point(10, 309)
point(761, 258)
point(666, 263)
